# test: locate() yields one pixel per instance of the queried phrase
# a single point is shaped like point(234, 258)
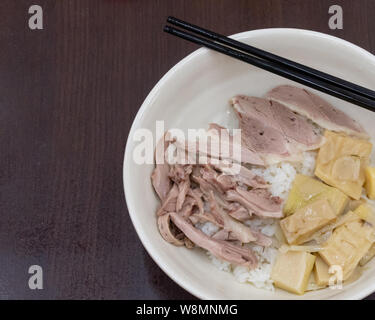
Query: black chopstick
point(272, 57)
point(279, 69)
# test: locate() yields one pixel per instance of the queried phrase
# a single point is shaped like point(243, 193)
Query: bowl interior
point(196, 92)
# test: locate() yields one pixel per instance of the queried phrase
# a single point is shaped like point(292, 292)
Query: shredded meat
point(220, 249)
point(223, 193)
point(307, 104)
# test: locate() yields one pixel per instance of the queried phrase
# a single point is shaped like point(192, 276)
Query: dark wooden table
point(68, 95)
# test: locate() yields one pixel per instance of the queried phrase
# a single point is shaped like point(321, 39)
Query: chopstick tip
point(167, 28)
point(171, 19)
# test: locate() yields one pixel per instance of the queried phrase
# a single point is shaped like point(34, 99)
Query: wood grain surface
point(68, 96)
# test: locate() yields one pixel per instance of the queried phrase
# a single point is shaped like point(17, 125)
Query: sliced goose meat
point(196, 171)
point(256, 182)
point(187, 207)
point(180, 172)
point(317, 109)
point(231, 145)
point(260, 131)
point(217, 147)
point(224, 235)
point(220, 249)
point(240, 231)
point(168, 231)
point(206, 187)
point(257, 201)
point(176, 154)
point(262, 240)
point(222, 182)
point(262, 198)
point(171, 234)
point(183, 189)
point(196, 194)
point(226, 182)
point(160, 176)
point(239, 212)
point(273, 129)
point(210, 181)
point(297, 129)
point(169, 203)
point(210, 175)
point(242, 175)
point(205, 217)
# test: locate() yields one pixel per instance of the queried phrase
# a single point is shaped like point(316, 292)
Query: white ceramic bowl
point(195, 92)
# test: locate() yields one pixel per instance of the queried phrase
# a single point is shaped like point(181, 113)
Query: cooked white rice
point(280, 176)
point(208, 228)
point(308, 164)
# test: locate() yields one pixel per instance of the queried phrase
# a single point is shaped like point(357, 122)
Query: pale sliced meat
point(160, 176)
point(205, 217)
point(206, 188)
point(242, 232)
point(196, 194)
point(217, 148)
point(160, 180)
point(224, 235)
point(169, 203)
point(257, 201)
point(187, 207)
point(239, 212)
point(223, 182)
point(183, 189)
point(220, 249)
point(168, 232)
point(317, 109)
point(180, 172)
point(260, 131)
point(262, 240)
point(242, 175)
point(232, 143)
point(226, 182)
point(296, 128)
point(274, 130)
point(171, 234)
point(263, 199)
point(211, 176)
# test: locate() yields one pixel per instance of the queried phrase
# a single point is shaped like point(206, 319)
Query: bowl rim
point(153, 94)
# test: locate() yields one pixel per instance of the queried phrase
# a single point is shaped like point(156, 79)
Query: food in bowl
point(278, 203)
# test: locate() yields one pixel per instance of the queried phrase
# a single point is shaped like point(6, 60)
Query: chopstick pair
point(302, 74)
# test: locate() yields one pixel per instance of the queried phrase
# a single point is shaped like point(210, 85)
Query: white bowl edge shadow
point(359, 291)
